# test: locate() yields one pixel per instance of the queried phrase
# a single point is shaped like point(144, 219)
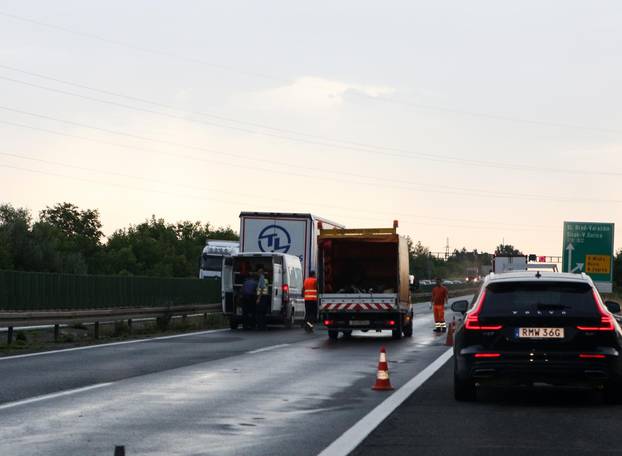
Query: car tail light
point(591, 356)
point(285, 292)
point(487, 355)
point(472, 318)
point(328, 322)
point(391, 322)
point(606, 319)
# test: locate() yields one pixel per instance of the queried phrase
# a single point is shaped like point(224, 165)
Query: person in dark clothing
point(249, 294)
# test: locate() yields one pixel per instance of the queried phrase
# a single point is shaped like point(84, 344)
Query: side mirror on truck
point(612, 306)
point(460, 306)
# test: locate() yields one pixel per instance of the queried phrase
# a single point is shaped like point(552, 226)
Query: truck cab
point(284, 274)
point(210, 263)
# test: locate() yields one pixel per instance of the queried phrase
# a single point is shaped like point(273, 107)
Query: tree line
point(68, 239)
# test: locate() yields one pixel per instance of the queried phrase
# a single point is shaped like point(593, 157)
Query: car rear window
point(576, 299)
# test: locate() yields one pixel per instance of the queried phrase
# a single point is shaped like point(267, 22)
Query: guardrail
point(12, 320)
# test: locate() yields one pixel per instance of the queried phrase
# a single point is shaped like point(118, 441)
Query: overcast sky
point(476, 121)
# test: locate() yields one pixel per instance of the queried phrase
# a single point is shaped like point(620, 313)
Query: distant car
point(448, 282)
point(543, 327)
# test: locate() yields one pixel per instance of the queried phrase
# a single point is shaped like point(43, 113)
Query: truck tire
point(233, 323)
point(397, 332)
point(332, 334)
point(408, 329)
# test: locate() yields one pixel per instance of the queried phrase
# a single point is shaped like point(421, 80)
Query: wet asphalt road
point(279, 392)
point(510, 422)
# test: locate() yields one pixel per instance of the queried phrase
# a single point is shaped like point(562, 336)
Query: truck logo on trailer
point(274, 238)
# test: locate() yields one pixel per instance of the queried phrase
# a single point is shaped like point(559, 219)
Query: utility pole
point(447, 250)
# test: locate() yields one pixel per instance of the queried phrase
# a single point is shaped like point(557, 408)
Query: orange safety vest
point(310, 289)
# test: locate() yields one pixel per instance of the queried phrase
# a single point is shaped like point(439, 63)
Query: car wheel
point(613, 392)
point(464, 390)
point(289, 321)
point(332, 334)
point(233, 323)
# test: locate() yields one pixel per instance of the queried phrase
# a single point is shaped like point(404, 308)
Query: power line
point(423, 187)
point(365, 149)
point(193, 196)
point(266, 76)
point(208, 188)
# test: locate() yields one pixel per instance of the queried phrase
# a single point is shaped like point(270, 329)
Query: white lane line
point(350, 439)
point(125, 342)
point(52, 396)
point(265, 349)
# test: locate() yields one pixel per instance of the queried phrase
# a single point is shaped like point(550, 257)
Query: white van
point(285, 277)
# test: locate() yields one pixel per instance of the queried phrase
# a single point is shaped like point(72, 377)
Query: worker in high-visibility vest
point(439, 300)
point(309, 291)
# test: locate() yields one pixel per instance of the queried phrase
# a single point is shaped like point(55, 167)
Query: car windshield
point(504, 298)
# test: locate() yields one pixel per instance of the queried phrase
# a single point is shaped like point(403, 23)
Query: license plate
point(359, 322)
point(540, 333)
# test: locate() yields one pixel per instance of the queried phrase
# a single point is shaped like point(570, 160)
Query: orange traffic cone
point(450, 334)
point(382, 377)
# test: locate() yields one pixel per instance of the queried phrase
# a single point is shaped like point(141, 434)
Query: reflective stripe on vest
point(310, 287)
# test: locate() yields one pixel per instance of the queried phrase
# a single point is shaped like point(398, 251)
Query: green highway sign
point(588, 247)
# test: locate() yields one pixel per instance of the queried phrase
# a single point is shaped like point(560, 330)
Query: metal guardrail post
point(9, 335)
point(56, 333)
point(129, 326)
point(96, 330)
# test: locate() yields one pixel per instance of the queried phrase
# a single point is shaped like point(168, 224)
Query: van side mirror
point(613, 306)
point(460, 306)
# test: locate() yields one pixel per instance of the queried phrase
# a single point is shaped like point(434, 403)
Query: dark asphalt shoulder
point(533, 421)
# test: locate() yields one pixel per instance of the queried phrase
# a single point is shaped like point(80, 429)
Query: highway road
point(278, 392)
point(517, 422)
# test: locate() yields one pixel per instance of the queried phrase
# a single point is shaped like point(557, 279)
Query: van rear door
point(227, 286)
point(277, 285)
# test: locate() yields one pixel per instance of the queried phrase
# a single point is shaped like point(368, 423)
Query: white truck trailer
point(289, 233)
point(509, 263)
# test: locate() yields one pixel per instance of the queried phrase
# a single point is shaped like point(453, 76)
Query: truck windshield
point(211, 262)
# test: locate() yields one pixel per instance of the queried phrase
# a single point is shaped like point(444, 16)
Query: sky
point(474, 122)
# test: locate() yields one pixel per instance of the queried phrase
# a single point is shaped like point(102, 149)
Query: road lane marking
point(52, 395)
point(265, 349)
point(350, 439)
point(125, 342)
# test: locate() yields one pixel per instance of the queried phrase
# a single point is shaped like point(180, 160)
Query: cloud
point(311, 93)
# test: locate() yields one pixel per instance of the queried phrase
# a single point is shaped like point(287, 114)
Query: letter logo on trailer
point(274, 238)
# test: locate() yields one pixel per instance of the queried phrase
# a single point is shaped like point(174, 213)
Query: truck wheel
point(397, 332)
point(408, 329)
point(233, 323)
point(332, 334)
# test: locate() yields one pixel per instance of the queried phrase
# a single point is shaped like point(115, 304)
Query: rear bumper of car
point(569, 368)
